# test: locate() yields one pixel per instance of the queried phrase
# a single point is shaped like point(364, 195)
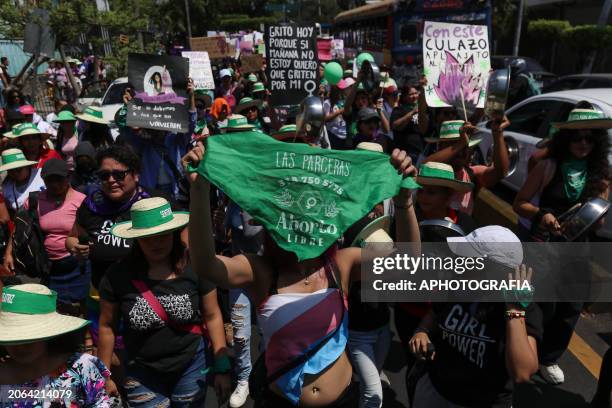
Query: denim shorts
point(147, 389)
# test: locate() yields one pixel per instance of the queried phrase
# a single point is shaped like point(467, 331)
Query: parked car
point(579, 81)
point(531, 121)
point(108, 98)
point(541, 75)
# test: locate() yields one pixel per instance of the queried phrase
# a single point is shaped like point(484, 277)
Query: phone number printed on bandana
point(35, 394)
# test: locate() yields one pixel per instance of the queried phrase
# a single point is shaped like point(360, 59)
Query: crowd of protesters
point(119, 306)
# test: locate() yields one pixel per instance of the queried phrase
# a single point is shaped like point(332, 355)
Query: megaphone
point(311, 117)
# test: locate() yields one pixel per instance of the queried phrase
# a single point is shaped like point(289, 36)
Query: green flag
point(305, 197)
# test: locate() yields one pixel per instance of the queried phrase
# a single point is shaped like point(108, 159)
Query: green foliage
point(504, 17)
point(236, 22)
point(548, 30)
point(588, 37)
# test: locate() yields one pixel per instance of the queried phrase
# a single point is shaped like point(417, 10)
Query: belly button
point(315, 390)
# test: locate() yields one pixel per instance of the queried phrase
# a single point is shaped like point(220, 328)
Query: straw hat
point(28, 315)
point(286, 132)
point(252, 78)
point(92, 114)
point(14, 159)
point(238, 123)
point(585, 119)
point(449, 131)
point(65, 116)
point(258, 87)
point(150, 216)
point(442, 175)
point(23, 129)
point(408, 182)
point(246, 103)
point(375, 231)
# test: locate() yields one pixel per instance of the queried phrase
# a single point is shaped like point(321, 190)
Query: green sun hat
point(14, 159)
point(585, 119)
point(149, 217)
point(23, 129)
point(238, 123)
point(65, 116)
point(441, 175)
point(92, 114)
point(449, 131)
point(252, 78)
point(246, 103)
point(258, 87)
point(285, 132)
point(28, 315)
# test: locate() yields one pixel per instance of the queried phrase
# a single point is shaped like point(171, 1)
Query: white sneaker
point(553, 374)
point(240, 394)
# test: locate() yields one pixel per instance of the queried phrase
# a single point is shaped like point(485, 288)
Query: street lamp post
point(188, 23)
point(519, 23)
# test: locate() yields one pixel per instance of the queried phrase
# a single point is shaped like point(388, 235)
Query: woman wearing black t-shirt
point(166, 309)
point(481, 349)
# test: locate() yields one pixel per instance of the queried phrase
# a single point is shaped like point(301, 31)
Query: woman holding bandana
point(300, 303)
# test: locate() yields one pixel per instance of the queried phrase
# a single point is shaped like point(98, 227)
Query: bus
point(392, 30)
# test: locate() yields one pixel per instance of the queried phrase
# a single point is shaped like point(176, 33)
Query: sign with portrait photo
point(160, 100)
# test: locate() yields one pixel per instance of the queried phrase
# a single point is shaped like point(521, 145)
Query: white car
point(110, 100)
point(530, 121)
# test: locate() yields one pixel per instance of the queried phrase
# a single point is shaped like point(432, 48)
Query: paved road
point(580, 364)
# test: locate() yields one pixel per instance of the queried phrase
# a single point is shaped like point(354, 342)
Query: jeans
point(368, 352)
point(240, 306)
point(70, 279)
point(560, 319)
point(148, 389)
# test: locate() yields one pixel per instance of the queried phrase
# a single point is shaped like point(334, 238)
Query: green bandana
point(305, 197)
point(199, 126)
point(574, 178)
point(18, 301)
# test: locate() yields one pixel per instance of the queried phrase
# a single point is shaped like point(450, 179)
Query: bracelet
point(515, 314)
point(403, 207)
point(222, 365)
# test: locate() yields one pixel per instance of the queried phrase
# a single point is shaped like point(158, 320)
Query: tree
point(548, 31)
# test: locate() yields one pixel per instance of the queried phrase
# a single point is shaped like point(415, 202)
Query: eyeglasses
point(118, 175)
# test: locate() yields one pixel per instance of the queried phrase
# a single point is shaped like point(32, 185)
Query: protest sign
point(337, 49)
point(324, 49)
point(292, 63)
point(160, 99)
point(251, 63)
point(199, 69)
point(217, 47)
point(456, 60)
point(305, 198)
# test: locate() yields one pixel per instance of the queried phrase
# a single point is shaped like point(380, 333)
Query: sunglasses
point(118, 175)
point(252, 109)
point(580, 138)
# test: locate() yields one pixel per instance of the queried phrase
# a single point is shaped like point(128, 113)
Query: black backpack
point(29, 254)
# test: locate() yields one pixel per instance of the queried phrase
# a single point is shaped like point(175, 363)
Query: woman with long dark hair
point(576, 170)
point(301, 303)
point(95, 128)
point(168, 312)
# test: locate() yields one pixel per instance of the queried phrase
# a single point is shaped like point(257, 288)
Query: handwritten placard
point(217, 47)
point(292, 63)
point(199, 69)
point(456, 60)
point(251, 63)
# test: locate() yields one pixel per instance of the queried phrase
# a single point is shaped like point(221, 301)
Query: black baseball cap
point(54, 167)
point(366, 114)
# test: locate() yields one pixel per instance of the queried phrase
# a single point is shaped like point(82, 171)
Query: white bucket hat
point(150, 216)
point(92, 114)
point(14, 159)
point(28, 315)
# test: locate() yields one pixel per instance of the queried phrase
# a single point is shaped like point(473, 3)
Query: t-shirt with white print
point(469, 367)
